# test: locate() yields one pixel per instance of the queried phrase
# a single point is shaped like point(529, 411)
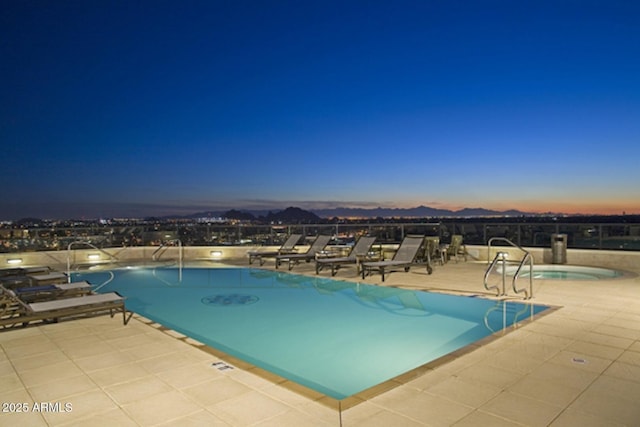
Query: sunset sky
point(120, 108)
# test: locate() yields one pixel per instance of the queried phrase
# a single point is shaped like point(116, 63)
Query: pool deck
point(579, 365)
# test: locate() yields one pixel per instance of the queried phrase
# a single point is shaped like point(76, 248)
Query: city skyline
point(162, 108)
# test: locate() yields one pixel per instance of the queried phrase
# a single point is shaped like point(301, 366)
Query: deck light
point(216, 254)
point(14, 261)
point(93, 257)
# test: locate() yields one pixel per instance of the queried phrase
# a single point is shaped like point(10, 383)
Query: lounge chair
point(55, 291)
point(361, 248)
point(22, 271)
point(287, 247)
point(12, 282)
point(318, 245)
point(48, 278)
point(14, 311)
point(404, 257)
point(30, 276)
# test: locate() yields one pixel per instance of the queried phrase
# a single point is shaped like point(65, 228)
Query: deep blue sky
point(132, 108)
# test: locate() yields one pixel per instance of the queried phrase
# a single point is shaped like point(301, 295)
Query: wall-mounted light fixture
point(93, 257)
point(216, 254)
point(14, 261)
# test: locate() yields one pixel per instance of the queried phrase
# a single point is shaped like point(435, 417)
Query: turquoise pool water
point(568, 272)
point(336, 337)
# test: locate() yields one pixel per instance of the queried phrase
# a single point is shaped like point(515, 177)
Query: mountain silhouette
point(299, 215)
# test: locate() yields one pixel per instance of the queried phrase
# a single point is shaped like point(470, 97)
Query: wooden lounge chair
point(14, 311)
point(287, 247)
point(48, 278)
point(12, 282)
point(23, 271)
point(318, 245)
point(15, 277)
point(404, 257)
point(55, 291)
point(361, 248)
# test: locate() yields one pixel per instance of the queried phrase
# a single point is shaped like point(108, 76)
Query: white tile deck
point(579, 365)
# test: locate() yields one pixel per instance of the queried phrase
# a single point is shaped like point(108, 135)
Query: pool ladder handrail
point(106, 282)
point(501, 257)
point(83, 242)
point(516, 316)
point(156, 257)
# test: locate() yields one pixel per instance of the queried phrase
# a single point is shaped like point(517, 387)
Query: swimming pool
point(568, 272)
point(338, 338)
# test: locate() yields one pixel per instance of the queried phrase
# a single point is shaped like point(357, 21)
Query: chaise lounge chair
point(14, 311)
point(318, 245)
point(55, 291)
point(404, 257)
point(49, 278)
point(361, 248)
point(23, 271)
point(30, 276)
point(287, 247)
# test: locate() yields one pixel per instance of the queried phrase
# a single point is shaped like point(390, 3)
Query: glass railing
point(618, 236)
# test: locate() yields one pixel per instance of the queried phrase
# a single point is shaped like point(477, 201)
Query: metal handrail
point(82, 242)
point(491, 310)
point(516, 316)
point(527, 295)
point(498, 257)
point(106, 282)
point(180, 255)
point(501, 256)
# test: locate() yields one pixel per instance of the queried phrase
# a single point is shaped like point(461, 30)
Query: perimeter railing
point(582, 235)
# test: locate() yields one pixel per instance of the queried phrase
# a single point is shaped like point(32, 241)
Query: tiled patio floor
point(578, 366)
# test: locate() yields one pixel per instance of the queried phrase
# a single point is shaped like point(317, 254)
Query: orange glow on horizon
point(570, 207)
point(604, 207)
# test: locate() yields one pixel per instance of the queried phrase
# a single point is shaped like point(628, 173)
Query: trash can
point(559, 248)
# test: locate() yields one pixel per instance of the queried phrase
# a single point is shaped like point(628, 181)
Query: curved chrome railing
point(82, 242)
point(501, 258)
point(157, 254)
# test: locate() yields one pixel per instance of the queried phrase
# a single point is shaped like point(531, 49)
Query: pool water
point(568, 272)
point(336, 337)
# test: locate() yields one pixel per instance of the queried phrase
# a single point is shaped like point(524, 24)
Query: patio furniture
point(48, 278)
point(287, 247)
point(434, 250)
point(362, 247)
point(292, 259)
point(55, 291)
point(456, 247)
point(14, 311)
point(404, 257)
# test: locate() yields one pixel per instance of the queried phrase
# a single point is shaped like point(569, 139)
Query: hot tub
point(568, 272)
